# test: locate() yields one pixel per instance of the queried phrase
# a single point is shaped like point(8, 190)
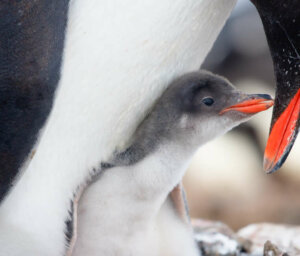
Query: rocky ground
point(217, 239)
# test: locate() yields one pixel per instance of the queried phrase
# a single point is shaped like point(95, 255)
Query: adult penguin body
point(117, 58)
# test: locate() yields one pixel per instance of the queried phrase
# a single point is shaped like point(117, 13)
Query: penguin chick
point(127, 211)
point(191, 112)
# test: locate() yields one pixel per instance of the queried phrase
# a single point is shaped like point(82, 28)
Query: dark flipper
point(31, 45)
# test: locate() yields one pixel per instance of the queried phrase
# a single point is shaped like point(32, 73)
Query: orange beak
point(252, 105)
point(282, 136)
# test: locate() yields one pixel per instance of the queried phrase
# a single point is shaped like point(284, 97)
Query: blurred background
point(226, 181)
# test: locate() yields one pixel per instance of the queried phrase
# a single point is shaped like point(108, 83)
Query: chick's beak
point(252, 104)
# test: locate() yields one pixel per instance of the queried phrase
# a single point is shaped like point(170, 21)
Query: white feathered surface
point(119, 56)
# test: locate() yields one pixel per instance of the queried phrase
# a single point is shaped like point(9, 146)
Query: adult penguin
point(117, 58)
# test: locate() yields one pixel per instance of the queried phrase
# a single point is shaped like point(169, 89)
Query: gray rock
point(286, 238)
point(272, 250)
point(217, 239)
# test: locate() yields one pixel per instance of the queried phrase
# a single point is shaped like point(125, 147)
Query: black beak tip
point(282, 159)
point(264, 96)
point(274, 169)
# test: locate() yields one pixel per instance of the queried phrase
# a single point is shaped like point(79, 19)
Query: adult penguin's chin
point(281, 21)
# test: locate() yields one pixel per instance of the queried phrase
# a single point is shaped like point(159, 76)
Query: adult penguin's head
point(281, 21)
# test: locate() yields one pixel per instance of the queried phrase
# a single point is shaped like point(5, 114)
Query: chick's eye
point(208, 101)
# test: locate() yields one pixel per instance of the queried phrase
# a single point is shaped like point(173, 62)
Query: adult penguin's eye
point(208, 101)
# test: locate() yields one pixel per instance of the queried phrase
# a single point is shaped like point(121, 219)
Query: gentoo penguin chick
point(127, 211)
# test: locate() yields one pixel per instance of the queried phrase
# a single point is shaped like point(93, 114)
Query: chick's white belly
point(116, 218)
point(119, 217)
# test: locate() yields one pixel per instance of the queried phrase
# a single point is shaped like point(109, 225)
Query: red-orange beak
point(251, 105)
point(282, 135)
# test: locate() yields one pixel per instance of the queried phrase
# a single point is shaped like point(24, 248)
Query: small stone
point(217, 239)
point(285, 237)
point(272, 250)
